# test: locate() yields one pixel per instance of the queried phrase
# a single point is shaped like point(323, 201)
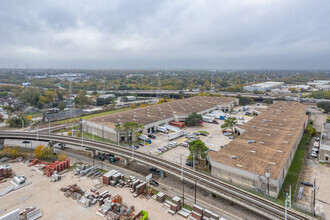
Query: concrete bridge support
point(126, 161)
point(2, 143)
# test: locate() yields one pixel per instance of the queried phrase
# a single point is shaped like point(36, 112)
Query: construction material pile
point(200, 213)
point(56, 166)
point(115, 209)
point(56, 177)
point(113, 178)
point(5, 172)
point(31, 213)
point(36, 161)
point(174, 205)
point(73, 191)
point(83, 170)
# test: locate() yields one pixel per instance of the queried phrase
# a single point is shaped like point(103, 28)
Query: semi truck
point(208, 118)
point(176, 135)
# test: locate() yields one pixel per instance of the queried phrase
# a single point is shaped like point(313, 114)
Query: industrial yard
point(50, 197)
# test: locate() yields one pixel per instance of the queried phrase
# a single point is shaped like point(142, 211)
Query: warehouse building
point(324, 154)
point(156, 115)
point(263, 87)
point(267, 143)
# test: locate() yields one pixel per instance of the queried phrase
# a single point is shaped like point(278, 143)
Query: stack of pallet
point(197, 213)
point(177, 202)
point(140, 189)
point(73, 191)
point(5, 172)
point(208, 215)
point(14, 215)
point(103, 196)
point(117, 199)
point(58, 166)
point(109, 176)
point(160, 197)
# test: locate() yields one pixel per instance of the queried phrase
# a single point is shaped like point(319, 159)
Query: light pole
point(37, 132)
point(195, 192)
point(72, 130)
point(23, 124)
point(82, 133)
point(31, 150)
point(49, 126)
point(102, 129)
point(93, 133)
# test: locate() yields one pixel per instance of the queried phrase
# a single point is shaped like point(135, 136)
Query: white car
point(315, 149)
point(317, 138)
point(313, 154)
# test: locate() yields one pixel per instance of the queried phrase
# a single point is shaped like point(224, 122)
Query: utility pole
point(290, 196)
point(286, 206)
point(93, 133)
point(38, 132)
point(193, 161)
point(314, 188)
point(23, 124)
point(195, 192)
point(31, 150)
point(82, 134)
point(72, 130)
point(49, 126)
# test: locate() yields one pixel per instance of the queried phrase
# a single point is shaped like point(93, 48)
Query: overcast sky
point(278, 34)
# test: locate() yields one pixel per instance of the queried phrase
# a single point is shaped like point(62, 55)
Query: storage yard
point(80, 196)
point(266, 143)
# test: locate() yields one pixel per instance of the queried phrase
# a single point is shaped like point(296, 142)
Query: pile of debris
point(5, 172)
point(73, 191)
point(85, 170)
point(56, 166)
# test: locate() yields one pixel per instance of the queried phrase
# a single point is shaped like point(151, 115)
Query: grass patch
point(292, 176)
point(90, 116)
point(97, 138)
point(205, 132)
point(103, 171)
point(187, 207)
point(322, 163)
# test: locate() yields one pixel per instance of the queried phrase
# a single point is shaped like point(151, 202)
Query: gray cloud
point(159, 34)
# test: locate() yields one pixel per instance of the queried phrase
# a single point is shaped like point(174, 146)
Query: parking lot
point(214, 140)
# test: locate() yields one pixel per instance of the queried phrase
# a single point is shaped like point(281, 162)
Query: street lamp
point(267, 175)
point(102, 129)
point(38, 132)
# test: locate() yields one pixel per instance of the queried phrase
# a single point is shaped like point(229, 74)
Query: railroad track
point(248, 200)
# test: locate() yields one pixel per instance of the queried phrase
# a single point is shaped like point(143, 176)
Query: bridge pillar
point(93, 152)
point(2, 143)
point(126, 161)
point(161, 173)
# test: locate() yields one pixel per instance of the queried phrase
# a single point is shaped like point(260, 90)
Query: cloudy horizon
point(227, 34)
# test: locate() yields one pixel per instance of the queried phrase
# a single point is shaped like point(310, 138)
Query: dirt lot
point(54, 205)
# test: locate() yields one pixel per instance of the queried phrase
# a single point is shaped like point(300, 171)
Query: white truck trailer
point(162, 129)
point(208, 118)
point(176, 135)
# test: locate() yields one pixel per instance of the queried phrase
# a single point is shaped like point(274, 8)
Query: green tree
point(81, 99)
point(193, 119)
point(244, 100)
point(197, 150)
point(61, 106)
point(229, 123)
point(324, 105)
point(17, 121)
point(129, 129)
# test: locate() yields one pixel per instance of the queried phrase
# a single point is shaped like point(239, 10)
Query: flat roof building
point(156, 115)
point(324, 153)
point(263, 87)
point(268, 142)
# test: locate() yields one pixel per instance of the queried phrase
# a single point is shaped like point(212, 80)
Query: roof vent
point(276, 129)
point(259, 129)
point(265, 120)
point(233, 157)
point(289, 134)
point(285, 142)
point(239, 165)
point(261, 142)
point(272, 163)
point(252, 151)
point(268, 134)
point(284, 119)
point(252, 141)
point(281, 124)
point(253, 126)
point(266, 125)
point(293, 129)
point(279, 151)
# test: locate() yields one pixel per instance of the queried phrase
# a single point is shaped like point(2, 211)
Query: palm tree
point(230, 123)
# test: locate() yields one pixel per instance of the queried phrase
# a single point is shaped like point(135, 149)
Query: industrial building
point(324, 153)
point(267, 143)
point(263, 87)
point(156, 115)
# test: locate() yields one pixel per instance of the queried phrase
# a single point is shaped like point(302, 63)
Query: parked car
point(231, 137)
point(155, 170)
point(203, 134)
point(227, 133)
point(188, 163)
point(317, 138)
point(154, 182)
point(314, 154)
point(315, 149)
point(196, 133)
point(26, 142)
point(151, 136)
point(307, 184)
point(172, 144)
point(184, 144)
point(142, 144)
point(158, 151)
